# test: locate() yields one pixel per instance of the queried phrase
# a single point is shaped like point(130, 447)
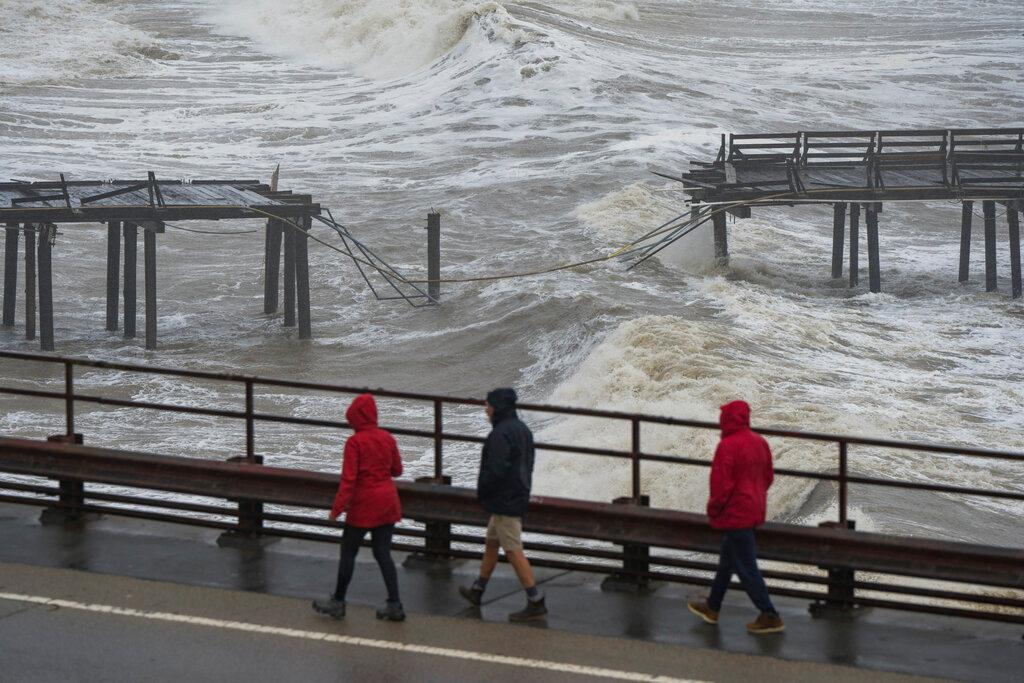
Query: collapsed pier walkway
point(36, 209)
point(859, 172)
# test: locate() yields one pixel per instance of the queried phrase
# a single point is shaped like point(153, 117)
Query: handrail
point(247, 413)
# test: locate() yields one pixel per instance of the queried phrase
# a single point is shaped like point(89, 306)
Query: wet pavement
point(651, 633)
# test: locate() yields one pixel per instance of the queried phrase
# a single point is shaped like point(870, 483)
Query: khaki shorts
point(507, 531)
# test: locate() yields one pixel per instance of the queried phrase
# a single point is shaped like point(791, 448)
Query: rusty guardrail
point(619, 524)
point(629, 523)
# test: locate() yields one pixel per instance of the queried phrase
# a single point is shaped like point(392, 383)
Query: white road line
point(522, 662)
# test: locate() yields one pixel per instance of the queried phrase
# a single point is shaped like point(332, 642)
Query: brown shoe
point(766, 623)
point(702, 610)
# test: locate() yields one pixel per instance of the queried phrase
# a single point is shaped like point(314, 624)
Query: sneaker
point(766, 623)
point(391, 611)
point(534, 611)
point(702, 610)
point(472, 594)
point(330, 607)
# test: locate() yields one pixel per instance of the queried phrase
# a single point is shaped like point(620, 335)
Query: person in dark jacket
point(741, 473)
point(503, 489)
point(369, 498)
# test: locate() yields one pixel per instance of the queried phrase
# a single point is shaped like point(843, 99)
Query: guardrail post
point(840, 598)
point(248, 533)
point(437, 544)
point(71, 497)
point(637, 559)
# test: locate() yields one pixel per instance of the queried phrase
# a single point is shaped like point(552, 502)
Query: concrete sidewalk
point(643, 634)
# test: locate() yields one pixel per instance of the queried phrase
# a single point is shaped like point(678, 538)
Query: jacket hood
point(362, 414)
point(735, 416)
point(504, 403)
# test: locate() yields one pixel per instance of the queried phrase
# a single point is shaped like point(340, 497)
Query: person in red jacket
point(369, 498)
point(741, 473)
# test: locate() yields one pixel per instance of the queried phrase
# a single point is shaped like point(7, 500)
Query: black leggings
point(380, 537)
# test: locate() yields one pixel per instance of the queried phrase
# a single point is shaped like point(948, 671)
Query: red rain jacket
point(740, 473)
point(371, 460)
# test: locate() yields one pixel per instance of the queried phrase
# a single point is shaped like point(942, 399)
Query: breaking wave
point(374, 38)
point(92, 42)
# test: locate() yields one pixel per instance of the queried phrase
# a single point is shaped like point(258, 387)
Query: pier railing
point(628, 523)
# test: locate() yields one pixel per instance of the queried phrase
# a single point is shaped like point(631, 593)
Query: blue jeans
point(739, 556)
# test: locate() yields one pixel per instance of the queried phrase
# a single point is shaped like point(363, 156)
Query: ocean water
point(533, 128)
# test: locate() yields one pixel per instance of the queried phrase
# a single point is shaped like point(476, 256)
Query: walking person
point(503, 489)
point(741, 473)
point(369, 498)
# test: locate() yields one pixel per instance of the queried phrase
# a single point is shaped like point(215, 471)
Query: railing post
point(637, 557)
point(248, 534)
point(841, 596)
point(71, 496)
point(437, 544)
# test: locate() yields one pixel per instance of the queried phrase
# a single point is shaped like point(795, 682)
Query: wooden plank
point(113, 273)
point(874, 265)
point(30, 281)
point(989, 211)
point(149, 258)
point(1013, 223)
point(838, 237)
point(45, 289)
point(131, 233)
point(854, 244)
point(10, 274)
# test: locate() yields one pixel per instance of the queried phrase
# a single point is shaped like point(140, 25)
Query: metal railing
point(440, 537)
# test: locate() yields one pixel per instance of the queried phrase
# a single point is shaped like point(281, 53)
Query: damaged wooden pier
point(36, 209)
point(858, 172)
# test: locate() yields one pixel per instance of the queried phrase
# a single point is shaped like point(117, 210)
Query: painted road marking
point(522, 662)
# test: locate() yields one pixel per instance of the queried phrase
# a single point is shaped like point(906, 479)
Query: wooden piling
point(854, 244)
point(113, 272)
point(289, 276)
point(874, 267)
point(1013, 222)
point(149, 258)
point(721, 237)
point(10, 274)
point(838, 235)
point(302, 278)
point(989, 210)
point(30, 281)
point(271, 266)
point(45, 288)
point(967, 212)
point(131, 251)
point(434, 255)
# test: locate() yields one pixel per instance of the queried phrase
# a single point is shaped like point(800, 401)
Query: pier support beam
point(434, 255)
point(30, 281)
point(721, 238)
point(838, 234)
point(113, 273)
point(989, 209)
point(149, 257)
point(289, 276)
point(10, 273)
point(302, 278)
point(854, 244)
point(272, 266)
point(131, 255)
point(45, 288)
point(1013, 222)
point(874, 267)
point(967, 212)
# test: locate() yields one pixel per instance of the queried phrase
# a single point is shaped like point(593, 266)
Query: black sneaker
point(534, 611)
point(473, 595)
point(391, 611)
point(330, 607)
